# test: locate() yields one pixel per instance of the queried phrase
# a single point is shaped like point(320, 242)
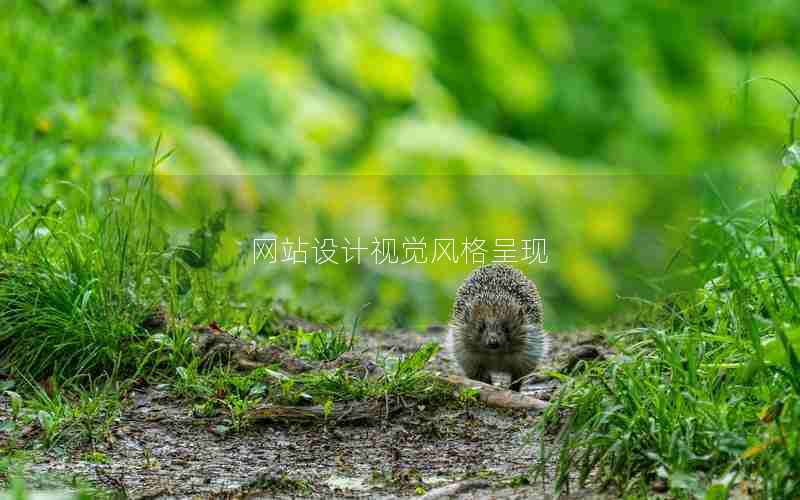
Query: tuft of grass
point(704, 393)
point(327, 345)
point(76, 281)
point(405, 376)
point(68, 416)
point(321, 345)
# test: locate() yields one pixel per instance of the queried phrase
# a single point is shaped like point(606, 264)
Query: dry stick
point(212, 341)
point(495, 396)
point(455, 489)
point(340, 412)
point(363, 410)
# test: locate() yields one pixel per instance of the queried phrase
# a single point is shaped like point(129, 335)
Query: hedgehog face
point(495, 327)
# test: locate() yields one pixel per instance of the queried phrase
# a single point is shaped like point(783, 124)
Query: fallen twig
point(495, 396)
point(213, 343)
point(453, 489)
point(339, 412)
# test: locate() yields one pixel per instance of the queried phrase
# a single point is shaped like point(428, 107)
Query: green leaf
point(717, 492)
point(776, 352)
point(791, 156)
point(203, 242)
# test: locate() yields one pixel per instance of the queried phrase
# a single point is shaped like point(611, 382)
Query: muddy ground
point(160, 450)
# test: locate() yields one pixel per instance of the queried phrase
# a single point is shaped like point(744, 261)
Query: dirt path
point(160, 451)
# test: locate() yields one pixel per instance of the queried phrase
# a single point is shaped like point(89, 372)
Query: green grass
point(68, 417)
point(231, 393)
point(75, 284)
point(405, 376)
point(704, 392)
point(46, 487)
point(327, 345)
point(77, 258)
point(79, 281)
point(56, 418)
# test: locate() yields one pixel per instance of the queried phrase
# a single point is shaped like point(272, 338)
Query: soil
point(159, 450)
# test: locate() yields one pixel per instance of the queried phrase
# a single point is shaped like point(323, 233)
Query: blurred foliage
point(595, 125)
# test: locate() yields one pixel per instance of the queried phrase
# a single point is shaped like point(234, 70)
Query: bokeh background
point(607, 128)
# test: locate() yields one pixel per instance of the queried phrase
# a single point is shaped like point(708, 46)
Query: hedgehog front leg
point(475, 370)
point(481, 375)
point(519, 369)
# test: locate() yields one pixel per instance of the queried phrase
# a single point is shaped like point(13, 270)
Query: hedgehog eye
point(482, 326)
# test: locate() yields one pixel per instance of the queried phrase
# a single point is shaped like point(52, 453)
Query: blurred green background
point(604, 127)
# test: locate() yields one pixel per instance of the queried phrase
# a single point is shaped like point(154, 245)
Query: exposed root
point(213, 345)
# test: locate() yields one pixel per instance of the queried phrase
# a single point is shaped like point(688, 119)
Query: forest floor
point(158, 449)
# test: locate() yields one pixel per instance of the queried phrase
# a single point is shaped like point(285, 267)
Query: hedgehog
point(496, 325)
